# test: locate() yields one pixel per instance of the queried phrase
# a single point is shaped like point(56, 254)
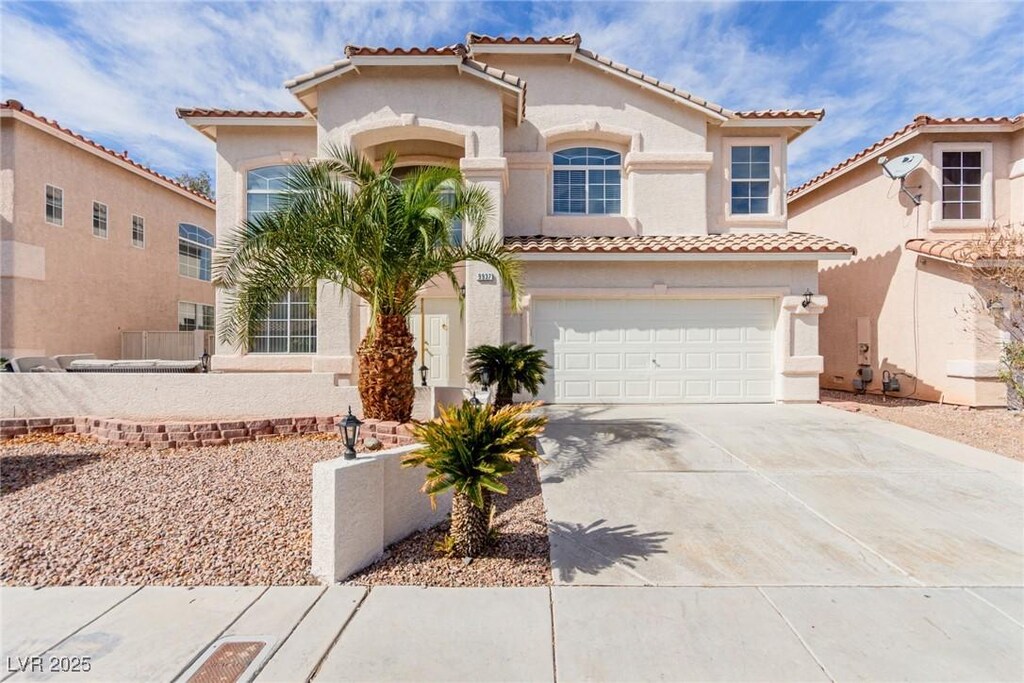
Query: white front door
point(656, 350)
point(435, 329)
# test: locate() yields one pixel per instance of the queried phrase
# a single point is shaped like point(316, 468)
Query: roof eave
point(566, 255)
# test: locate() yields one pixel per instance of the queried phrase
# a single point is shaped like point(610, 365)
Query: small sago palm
point(345, 220)
point(511, 368)
point(468, 449)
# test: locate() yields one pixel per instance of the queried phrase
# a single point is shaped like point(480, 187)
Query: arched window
point(587, 180)
point(290, 324)
point(195, 251)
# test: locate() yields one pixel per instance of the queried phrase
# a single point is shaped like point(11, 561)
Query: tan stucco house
point(907, 304)
point(93, 244)
point(659, 263)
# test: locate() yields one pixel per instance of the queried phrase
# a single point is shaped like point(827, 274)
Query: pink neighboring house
point(659, 265)
point(93, 244)
point(903, 305)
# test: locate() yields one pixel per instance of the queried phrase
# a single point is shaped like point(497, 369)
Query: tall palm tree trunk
point(385, 370)
point(470, 525)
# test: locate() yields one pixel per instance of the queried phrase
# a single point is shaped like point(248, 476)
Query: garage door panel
point(647, 351)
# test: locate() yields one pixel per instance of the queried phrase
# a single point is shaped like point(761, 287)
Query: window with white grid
point(264, 188)
point(587, 180)
point(138, 231)
point(750, 172)
point(195, 252)
point(961, 185)
point(193, 316)
point(99, 219)
point(54, 205)
point(289, 327)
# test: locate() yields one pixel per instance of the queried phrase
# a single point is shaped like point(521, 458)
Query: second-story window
point(99, 219)
point(54, 205)
point(264, 188)
point(961, 185)
point(587, 180)
point(750, 172)
point(195, 252)
point(193, 316)
point(138, 231)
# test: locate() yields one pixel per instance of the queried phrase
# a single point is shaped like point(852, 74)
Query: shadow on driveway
point(598, 546)
point(570, 450)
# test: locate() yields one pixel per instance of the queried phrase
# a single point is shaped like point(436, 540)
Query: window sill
point(575, 225)
point(755, 219)
point(947, 224)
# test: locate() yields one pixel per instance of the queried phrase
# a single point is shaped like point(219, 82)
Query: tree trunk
point(502, 396)
point(470, 525)
point(385, 370)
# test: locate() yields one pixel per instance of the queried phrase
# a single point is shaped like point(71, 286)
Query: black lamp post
point(474, 401)
point(423, 375)
point(807, 298)
point(349, 428)
point(204, 360)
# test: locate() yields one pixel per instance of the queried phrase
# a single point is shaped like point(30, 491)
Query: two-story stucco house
point(908, 304)
point(93, 244)
point(658, 262)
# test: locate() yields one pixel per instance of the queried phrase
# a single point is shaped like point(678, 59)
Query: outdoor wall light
point(204, 360)
point(349, 428)
point(474, 401)
point(423, 375)
point(807, 298)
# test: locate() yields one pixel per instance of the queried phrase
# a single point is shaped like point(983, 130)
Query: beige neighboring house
point(906, 303)
point(659, 264)
point(93, 244)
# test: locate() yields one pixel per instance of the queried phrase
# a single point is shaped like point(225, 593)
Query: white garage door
point(656, 351)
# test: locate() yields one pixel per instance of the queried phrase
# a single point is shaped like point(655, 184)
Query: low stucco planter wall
point(362, 506)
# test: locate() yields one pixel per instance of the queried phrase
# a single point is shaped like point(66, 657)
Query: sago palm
point(346, 220)
point(468, 449)
point(511, 368)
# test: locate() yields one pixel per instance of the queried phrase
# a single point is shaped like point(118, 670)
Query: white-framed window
point(193, 316)
point(195, 252)
point(138, 231)
point(54, 205)
point(586, 181)
point(264, 188)
point(750, 172)
point(289, 327)
point(99, 219)
point(963, 184)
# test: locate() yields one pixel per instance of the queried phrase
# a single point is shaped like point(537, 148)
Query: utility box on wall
point(864, 341)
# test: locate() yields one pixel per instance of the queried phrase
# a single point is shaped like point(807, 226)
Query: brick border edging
point(191, 434)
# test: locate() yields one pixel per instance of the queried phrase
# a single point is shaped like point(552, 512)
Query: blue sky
point(116, 71)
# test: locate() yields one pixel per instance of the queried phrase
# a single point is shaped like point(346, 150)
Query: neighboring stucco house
point(906, 304)
point(652, 224)
point(93, 244)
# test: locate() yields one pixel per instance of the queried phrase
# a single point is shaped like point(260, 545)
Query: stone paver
point(403, 633)
point(1009, 601)
point(915, 634)
point(675, 634)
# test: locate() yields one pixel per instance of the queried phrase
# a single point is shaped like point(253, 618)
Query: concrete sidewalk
point(564, 633)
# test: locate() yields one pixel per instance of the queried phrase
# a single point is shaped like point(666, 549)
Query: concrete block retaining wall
point(362, 506)
point(197, 433)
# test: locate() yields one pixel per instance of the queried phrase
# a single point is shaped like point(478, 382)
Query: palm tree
point(343, 220)
point(469, 448)
point(511, 367)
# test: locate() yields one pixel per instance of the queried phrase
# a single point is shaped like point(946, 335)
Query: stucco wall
point(922, 314)
point(65, 290)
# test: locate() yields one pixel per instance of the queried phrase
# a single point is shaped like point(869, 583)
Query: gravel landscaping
point(518, 557)
point(77, 512)
point(992, 429)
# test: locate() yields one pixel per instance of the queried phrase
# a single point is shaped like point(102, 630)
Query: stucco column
point(335, 329)
point(801, 363)
point(483, 290)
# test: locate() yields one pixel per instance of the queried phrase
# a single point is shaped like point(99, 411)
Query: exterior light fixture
point(349, 428)
point(807, 298)
point(462, 290)
point(423, 375)
point(474, 401)
point(204, 360)
point(485, 378)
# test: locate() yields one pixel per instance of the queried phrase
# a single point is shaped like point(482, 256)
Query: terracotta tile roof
point(184, 112)
point(968, 251)
point(731, 243)
point(818, 114)
point(15, 105)
point(912, 128)
point(564, 39)
point(454, 50)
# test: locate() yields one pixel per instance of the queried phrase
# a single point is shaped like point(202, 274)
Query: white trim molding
point(776, 181)
point(937, 222)
point(667, 161)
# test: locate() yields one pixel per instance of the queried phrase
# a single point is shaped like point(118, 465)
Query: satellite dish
point(899, 168)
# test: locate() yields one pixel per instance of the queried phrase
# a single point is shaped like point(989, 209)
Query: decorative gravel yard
point(76, 512)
